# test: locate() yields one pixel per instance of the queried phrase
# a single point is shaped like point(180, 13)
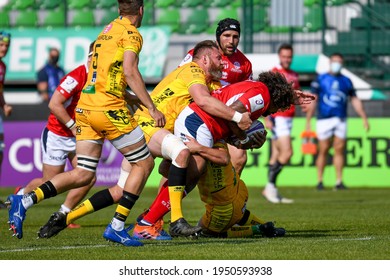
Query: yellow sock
point(253, 220)
point(122, 211)
point(175, 197)
point(240, 232)
point(39, 193)
point(80, 211)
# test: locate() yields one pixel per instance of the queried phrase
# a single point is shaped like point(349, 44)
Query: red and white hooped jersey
point(236, 68)
point(254, 95)
point(291, 76)
point(70, 87)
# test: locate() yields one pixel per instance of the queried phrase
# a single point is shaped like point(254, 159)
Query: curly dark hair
point(280, 90)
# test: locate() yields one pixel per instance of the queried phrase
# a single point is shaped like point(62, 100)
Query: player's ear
point(204, 59)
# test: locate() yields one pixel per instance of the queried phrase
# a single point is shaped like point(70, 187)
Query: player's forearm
point(217, 156)
point(137, 85)
point(216, 108)
point(358, 106)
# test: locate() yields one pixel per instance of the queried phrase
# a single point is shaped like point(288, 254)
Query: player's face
point(229, 42)
point(3, 48)
point(215, 65)
point(285, 58)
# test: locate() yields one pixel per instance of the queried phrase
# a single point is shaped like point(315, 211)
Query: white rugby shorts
point(189, 123)
point(327, 128)
point(56, 148)
point(282, 127)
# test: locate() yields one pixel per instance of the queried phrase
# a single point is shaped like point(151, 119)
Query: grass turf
point(327, 225)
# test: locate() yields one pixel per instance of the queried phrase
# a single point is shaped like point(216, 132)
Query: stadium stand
point(197, 22)
point(4, 20)
point(164, 3)
point(27, 18)
point(190, 3)
point(82, 18)
point(221, 14)
point(79, 4)
point(170, 17)
point(54, 18)
point(108, 16)
point(50, 4)
point(106, 4)
point(23, 4)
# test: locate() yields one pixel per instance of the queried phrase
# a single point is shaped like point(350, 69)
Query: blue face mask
point(335, 67)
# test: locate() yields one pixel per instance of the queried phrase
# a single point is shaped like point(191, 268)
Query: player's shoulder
point(80, 70)
point(239, 54)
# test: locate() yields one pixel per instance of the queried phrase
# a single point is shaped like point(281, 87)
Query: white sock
point(270, 186)
point(27, 201)
point(117, 225)
point(64, 209)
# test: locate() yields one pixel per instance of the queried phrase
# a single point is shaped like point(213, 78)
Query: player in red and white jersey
point(58, 139)
point(280, 124)
point(266, 96)
point(252, 94)
point(5, 40)
point(237, 68)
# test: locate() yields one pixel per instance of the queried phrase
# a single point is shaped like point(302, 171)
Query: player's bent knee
point(173, 148)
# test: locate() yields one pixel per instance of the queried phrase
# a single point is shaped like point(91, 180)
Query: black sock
point(177, 176)
point(127, 201)
point(101, 200)
point(273, 171)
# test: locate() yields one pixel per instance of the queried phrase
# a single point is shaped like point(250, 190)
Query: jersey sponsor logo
point(167, 93)
point(69, 84)
point(196, 70)
point(105, 37)
point(256, 102)
point(135, 38)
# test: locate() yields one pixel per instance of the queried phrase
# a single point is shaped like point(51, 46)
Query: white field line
point(148, 244)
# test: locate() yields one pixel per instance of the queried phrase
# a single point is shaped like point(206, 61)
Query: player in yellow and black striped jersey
point(225, 196)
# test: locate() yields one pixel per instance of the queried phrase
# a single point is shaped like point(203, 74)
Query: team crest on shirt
point(237, 67)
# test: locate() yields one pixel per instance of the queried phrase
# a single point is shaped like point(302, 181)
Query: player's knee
point(173, 148)
point(84, 177)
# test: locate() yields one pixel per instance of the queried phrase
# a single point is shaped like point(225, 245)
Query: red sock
point(163, 186)
point(159, 207)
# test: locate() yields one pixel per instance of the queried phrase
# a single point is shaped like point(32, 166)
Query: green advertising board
point(367, 159)
point(29, 50)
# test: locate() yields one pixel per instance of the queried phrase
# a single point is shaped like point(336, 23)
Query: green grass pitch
point(328, 225)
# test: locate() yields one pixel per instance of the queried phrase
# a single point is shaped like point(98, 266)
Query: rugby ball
point(257, 126)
